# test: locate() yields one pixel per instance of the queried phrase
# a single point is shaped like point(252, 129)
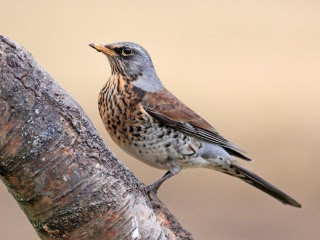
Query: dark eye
point(126, 51)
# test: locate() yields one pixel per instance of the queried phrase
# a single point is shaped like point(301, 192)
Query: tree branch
point(60, 171)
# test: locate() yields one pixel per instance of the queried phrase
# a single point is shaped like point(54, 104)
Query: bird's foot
point(153, 188)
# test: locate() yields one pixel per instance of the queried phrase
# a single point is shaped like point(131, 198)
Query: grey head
point(133, 62)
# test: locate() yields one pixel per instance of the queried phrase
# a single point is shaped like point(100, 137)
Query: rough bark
point(58, 168)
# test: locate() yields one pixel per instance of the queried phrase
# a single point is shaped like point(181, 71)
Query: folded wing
point(170, 111)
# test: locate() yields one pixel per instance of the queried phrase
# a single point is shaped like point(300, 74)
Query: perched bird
point(154, 126)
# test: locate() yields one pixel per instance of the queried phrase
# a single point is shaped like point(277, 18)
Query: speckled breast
point(137, 132)
point(120, 111)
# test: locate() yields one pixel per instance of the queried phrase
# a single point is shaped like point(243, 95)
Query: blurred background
point(250, 68)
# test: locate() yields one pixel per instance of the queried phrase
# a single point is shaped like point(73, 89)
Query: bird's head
point(133, 62)
point(126, 58)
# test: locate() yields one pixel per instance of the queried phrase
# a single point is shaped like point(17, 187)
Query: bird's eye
point(126, 51)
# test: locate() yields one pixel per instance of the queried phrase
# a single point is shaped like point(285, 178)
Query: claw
point(155, 186)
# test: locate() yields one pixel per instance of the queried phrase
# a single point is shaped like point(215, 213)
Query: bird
point(149, 123)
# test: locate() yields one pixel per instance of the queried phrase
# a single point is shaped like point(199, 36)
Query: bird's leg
point(175, 169)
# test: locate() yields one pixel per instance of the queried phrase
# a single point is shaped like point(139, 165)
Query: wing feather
point(170, 111)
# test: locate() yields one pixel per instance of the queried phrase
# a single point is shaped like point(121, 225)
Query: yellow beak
point(103, 49)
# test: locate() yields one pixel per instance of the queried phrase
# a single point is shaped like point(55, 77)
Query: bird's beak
point(104, 49)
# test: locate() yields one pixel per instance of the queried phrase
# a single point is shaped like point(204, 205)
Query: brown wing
point(170, 111)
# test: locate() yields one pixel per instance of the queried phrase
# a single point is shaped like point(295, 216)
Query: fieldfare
point(154, 126)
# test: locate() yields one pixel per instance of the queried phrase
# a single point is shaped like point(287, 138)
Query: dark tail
point(261, 184)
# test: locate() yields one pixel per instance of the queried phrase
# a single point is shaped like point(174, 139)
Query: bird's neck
point(120, 88)
point(148, 81)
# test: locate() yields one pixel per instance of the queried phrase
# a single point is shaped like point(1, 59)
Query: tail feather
point(264, 186)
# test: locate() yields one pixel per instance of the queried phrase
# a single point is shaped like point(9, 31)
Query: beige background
point(251, 68)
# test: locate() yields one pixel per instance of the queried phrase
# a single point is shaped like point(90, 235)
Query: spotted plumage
point(151, 124)
point(137, 132)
